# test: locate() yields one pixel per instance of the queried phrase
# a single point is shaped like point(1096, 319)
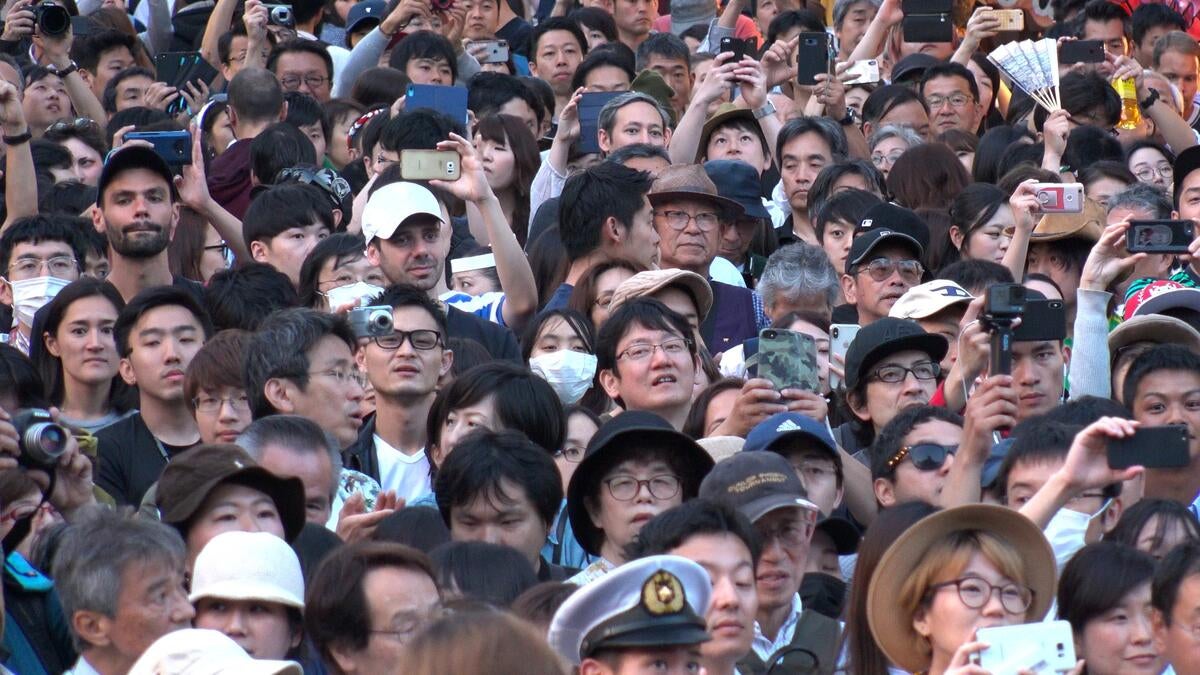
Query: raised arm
point(193, 192)
point(890, 14)
point(18, 160)
point(685, 142)
point(1024, 205)
point(219, 22)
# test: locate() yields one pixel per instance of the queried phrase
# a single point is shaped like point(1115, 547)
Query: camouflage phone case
point(788, 360)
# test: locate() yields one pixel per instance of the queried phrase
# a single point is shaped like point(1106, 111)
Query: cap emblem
point(788, 425)
point(952, 292)
point(663, 594)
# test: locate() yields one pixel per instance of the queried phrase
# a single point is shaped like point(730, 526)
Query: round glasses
point(975, 594)
point(625, 488)
point(678, 220)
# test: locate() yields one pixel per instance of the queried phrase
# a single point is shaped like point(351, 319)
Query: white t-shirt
point(407, 474)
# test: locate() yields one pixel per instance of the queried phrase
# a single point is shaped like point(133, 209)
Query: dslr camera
point(51, 18)
point(41, 440)
point(371, 321)
point(280, 15)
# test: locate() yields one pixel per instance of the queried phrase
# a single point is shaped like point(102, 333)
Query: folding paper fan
point(1032, 66)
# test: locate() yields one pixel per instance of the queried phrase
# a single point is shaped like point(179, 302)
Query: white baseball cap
point(248, 566)
point(196, 651)
point(929, 298)
point(395, 203)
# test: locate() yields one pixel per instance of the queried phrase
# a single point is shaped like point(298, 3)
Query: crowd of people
point(727, 370)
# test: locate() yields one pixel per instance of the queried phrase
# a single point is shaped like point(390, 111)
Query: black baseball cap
point(884, 338)
point(912, 67)
point(843, 533)
point(131, 157)
point(756, 483)
point(895, 218)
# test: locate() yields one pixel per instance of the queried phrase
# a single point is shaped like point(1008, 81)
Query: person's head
point(560, 346)
point(126, 89)
point(499, 488)
point(689, 214)
point(500, 94)
point(927, 176)
point(796, 278)
point(426, 58)
point(668, 55)
point(404, 368)
point(805, 145)
point(1151, 163)
point(845, 174)
point(979, 221)
point(75, 339)
point(557, 47)
point(1175, 56)
point(84, 139)
point(889, 142)
point(304, 66)
point(213, 388)
point(482, 20)
point(604, 213)
point(509, 154)
point(1107, 22)
point(407, 228)
point(633, 117)
point(305, 113)
point(952, 94)
point(976, 275)
point(243, 297)
point(1159, 389)
point(338, 262)
point(850, 21)
point(284, 223)
point(892, 365)
point(255, 98)
point(301, 361)
point(883, 263)
point(1175, 595)
point(808, 447)
point(634, 18)
point(733, 134)
point(1155, 527)
point(248, 585)
point(280, 146)
point(157, 334)
point(365, 602)
point(481, 642)
point(646, 358)
point(120, 580)
point(604, 70)
point(1148, 24)
point(837, 219)
point(592, 295)
point(895, 104)
point(1062, 259)
point(39, 255)
point(912, 455)
point(137, 207)
point(103, 54)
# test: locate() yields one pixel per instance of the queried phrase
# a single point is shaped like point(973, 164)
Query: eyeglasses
point(222, 248)
point(1147, 174)
point(673, 348)
point(625, 488)
point(423, 339)
point(796, 532)
point(292, 82)
point(573, 455)
point(880, 159)
point(211, 404)
point(975, 593)
point(891, 374)
point(328, 180)
point(60, 266)
point(881, 269)
point(955, 101)
point(924, 456)
point(678, 220)
point(343, 377)
point(407, 624)
point(77, 124)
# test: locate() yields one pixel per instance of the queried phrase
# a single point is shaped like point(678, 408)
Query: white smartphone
point(1059, 197)
point(840, 337)
point(1042, 647)
point(863, 72)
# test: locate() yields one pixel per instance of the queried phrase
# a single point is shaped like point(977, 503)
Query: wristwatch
point(850, 118)
point(768, 109)
point(63, 72)
point(1149, 100)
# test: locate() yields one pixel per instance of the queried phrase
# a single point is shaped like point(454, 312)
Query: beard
point(139, 244)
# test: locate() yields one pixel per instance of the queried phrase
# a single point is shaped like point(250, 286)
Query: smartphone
point(495, 51)
point(175, 147)
point(450, 101)
point(1010, 19)
point(840, 337)
point(1081, 51)
point(430, 164)
point(863, 72)
point(738, 46)
point(813, 57)
point(589, 118)
point(1159, 236)
point(1059, 197)
point(1164, 447)
point(1042, 647)
point(928, 28)
point(788, 359)
point(179, 69)
point(1042, 320)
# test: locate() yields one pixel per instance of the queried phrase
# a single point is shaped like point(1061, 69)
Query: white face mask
point(30, 295)
point(1067, 529)
point(357, 292)
point(569, 373)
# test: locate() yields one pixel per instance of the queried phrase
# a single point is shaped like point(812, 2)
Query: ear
point(867, 129)
point(282, 112)
point(841, 492)
point(604, 141)
point(957, 236)
point(6, 292)
point(279, 394)
point(859, 408)
point(610, 383)
point(849, 289)
point(337, 217)
point(125, 368)
point(1066, 352)
point(233, 117)
point(532, 66)
point(447, 363)
point(885, 491)
point(920, 622)
point(259, 251)
point(1109, 520)
point(612, 230)
point(667, 136)
point(91, 627)
point(373, 253)
point(98, 218)
point(49, 340)
point(175, 209)
point(592, 667)
point(438, 455)
point(343, 658)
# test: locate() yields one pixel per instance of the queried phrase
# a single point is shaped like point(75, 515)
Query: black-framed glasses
point(77, 124)
point(975, 594)
point(222, 248)
point(292, 82)
point(422, 338)
point(332, 184)
point(625, 488)
point(924, 456)
point(893, 373)
point(880, 269)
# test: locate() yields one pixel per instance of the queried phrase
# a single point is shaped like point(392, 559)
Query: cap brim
point(134, 157)
point(244, 589)
point(717, 120)
point(732, 209)
point(842, 532)
point(1156, 328)
point(891, 237)
point(660, 633)
point(823, 443)
point(893, 631)
point(1183, 298)
point(287, 493)
point(773, 502)
point(931, 343)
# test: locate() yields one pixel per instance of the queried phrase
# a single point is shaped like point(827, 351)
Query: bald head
point(255, 95)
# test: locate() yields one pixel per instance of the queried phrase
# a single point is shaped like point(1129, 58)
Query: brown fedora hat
point(894, 631)
point(690, 181)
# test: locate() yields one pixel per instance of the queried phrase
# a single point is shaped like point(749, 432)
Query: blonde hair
point(481, 643)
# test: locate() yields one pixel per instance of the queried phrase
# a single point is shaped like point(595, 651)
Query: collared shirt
point(765, 647)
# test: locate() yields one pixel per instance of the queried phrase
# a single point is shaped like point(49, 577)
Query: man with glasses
point(38, 256)
point(303, 65)
point(884, 261)
point(404, 369)
point(764, 487)
point(952, 94)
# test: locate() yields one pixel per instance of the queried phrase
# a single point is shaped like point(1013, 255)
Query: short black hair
point(1154, 15)
point(1105, 11)
point(404, 295)
point(1081, 93)
point(848, 206)
point(1084, 410)
point(600, 58)
point(823, 186)
point(976, 275)
point(491, 91)
point(71, 198)
point(342, 247)
point(279, 349)
point(666, 45)
point(379, 87)
point(824, 127)
point(1039, 440)
point(86, 50)
point(484, 459)
point(1176, 567)
point(301, 45)
point(637, 151)
point(419, 129)
point(1097, 578)
point(242, 297)
point(109, 97)
point(886, 99)
point(949, 69)
point(696, 517)
point(37, 229)
point(478, 570)
point(278, 147)
point(891, 436)
point(1161, 357)
point(1166, 513)
point(282, 207)
point(1073, 251)
point(591, 197)
point(304, 110)
point(595, 18)
point(1087, 145)
point(150, 299)
point(557, 23)
point(524, 402)
point(423, 44)
point(804, 19)
point(645, 312)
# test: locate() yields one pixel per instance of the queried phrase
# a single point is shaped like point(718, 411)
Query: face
point(45, 101)
point(733, 142)
point(136, 214)
point(736, 238)
point(405, 373)
point(1179, 642)
point(836, 240)
point(399, 602)
point(818, 473)
point(111, 62)
point(483, 17)
point(734, 601)
point(1170, 397)
point(606, 284)
point(1145, 51)
point(520, 109)
point(948, 623)
point(95, 265)
point(414, 255)
point(886, 152)
point(854, 26)
point(803, 158)
point(1041, 258)
point(162, 344)
point(1102, 189)
point(634, 17)
point(580, 429)
point(222, 414)
point(84, 341)
point(785, 533)
point(695, 245)
point(874, 297)
point(464, 420)
point(86, 161)
point(911, 115)
point(1180, 70)
point(64, 267)
point(498, 163)
point(677, 74)
point(260, 628)
point(150, 604)
point(333, 394)
point(1037, 371)
point(956, 107)
point(287, 250)
point(1189, 196)
point(305, 72)
point(989, 241)
point(719, 409)
point(855, 97)
point(509, 519)
point(222, 132)
point(130, 91)
point(984, 83)
point(637, 122)
point(212, 260)
point(429, 71)
point(658, 381)
point(473, 282)
point(821, 340)
point(338, 149)
point(913, 484)
point(558, 55)
point(884, 400)
point(1150, 166)
point(337, 272)
point(621, 520)
point(679, 301)
point(607, 78)
point(1112, 33)
point(649, 661)
point(640, 241)
point(1150, 542)
point(232, 508)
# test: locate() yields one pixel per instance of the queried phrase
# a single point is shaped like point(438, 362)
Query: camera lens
point(53, 19)
point(381, 320)
point(44, 443)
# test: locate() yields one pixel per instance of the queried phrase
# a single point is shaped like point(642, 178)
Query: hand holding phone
point(430, 165)
point(814, 56)
point(1081, 51)
point(1041, 647)
point(1159, 236)
point(737, 46)
point(1164, 447)
point(1059, 197)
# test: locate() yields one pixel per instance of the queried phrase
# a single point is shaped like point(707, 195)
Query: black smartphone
point(1042, 320)
point(1163, 447)
point(175, 147)
point(589, 118)
point(178, 69)
point(928, 28)
point(1159, 236)
point(1081, 51)
point(813, 57)
point(738, 46)
point(913, 7)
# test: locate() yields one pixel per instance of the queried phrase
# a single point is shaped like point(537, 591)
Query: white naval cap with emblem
point(651, 602)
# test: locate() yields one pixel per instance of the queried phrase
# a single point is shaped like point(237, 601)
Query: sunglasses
point(334, 186)
point(924, 456)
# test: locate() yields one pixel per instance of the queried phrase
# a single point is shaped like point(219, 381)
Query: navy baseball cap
point(367, 10)
point(771, 433)
point(738, 181)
